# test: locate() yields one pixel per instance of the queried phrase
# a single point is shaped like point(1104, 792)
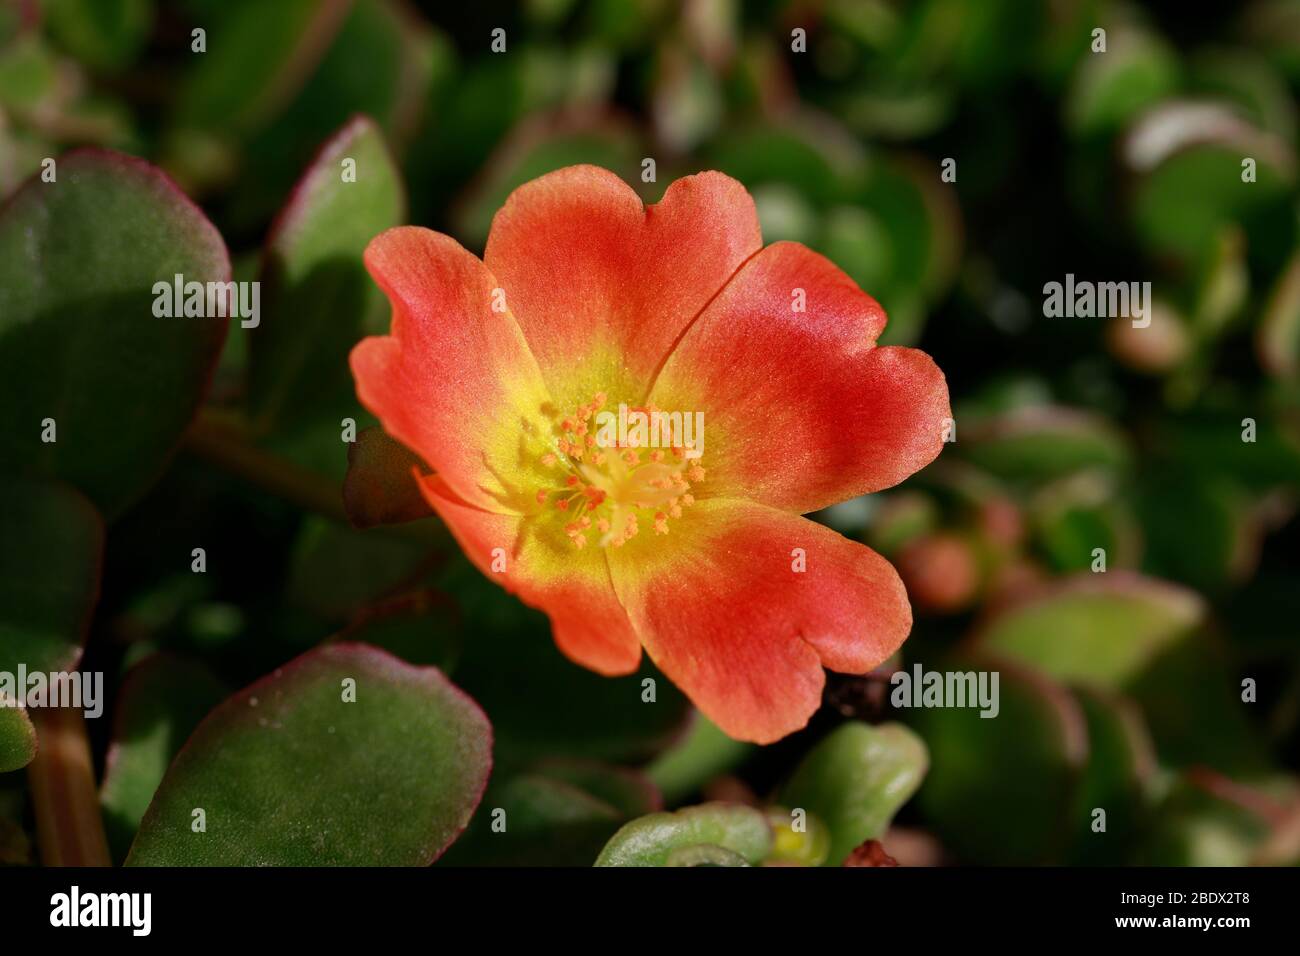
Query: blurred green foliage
point(1113, 529)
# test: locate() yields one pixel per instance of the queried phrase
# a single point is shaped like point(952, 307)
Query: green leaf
point(703, 754)
point(1277, 337)
point(1070, 532)
point(50, 554)
point(858, 242)
point(784, 214)
point(1103, 629)
point(289, 772)
point(996, 41)
point(404, 57)
point(101, 33)
point(1191, 183)
point(1196, 826)
point(29, 74)
point(1212, 442)
point(894, 111)
point(1272, 29)
point(318, 298)
point(14, 20)
point(1040, 443)
point(900, 518)
point(1191, 697)
point(705, 854)
point(80, 344)
point(923, 223)
point(20, 156)
point(653, 839)
point(379, 487)
point(257, 57)
point(336, 570)
point(384, 62)
point(555, 814)
point(547, 823)
point(1247, 80)
point(1000, 789)
point(421, 626)
point(1110, 88)
point(798, 154)
point(17, 736)
point(161, 700)
point(855, 780)
point(1073, 517)
point(630, 792)
point(561, 709)
point(1202, 531)
point(489, 96)
point(530, 154)
point(1120, 771)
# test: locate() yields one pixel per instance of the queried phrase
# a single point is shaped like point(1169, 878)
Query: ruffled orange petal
point(455, 381)
point(801, 408)
point(529, 558)
point(602, 284)
point(749, 603)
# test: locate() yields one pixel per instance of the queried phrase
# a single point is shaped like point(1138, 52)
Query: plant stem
point(227, 445)
point(69, 827)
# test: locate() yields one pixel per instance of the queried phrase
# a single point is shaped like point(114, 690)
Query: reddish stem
point(69, 827)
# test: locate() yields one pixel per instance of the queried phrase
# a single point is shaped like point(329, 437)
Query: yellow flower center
point(608, 488)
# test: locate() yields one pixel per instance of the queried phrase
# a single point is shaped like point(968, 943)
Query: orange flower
point(500, 372)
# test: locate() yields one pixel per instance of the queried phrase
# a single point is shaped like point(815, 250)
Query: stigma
point(611, 492)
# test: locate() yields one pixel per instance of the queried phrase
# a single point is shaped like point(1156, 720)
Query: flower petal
point(602, 284)
point(801, 409)
point(455, 381)
point(549, 573)
point(723, 610)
